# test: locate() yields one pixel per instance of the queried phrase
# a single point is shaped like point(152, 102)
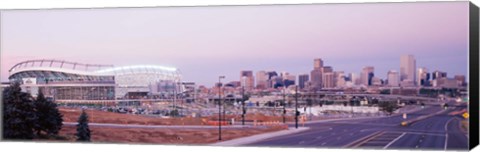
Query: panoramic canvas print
point(365, 75)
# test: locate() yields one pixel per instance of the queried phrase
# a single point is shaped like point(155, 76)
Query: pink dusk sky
point(205, 42)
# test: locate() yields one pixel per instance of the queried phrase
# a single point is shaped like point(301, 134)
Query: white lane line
point(446, 142)
point(446, 134)
point(324, 143)
point(394, 140)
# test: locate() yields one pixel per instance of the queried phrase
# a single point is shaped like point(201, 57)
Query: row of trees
point(27, 118)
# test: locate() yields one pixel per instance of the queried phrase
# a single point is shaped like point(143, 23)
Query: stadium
point(71, 82)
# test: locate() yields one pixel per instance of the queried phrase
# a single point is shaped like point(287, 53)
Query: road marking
point(364, 139)
point(324, 143)
point(446, 134)
point(446, 142)
point(394, 140)
point(420, 133)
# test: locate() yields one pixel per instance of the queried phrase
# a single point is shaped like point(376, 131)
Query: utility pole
point(284, 105)
point(220, 107)
point(244, 111)
point(297, 113)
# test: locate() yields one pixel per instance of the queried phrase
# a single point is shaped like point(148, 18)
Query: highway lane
point(437, 132)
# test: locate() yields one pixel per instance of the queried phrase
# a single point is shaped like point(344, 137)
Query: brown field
point(163, 136)
point(156, 136)
point(95, 116)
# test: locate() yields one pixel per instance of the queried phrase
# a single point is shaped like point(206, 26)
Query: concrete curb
point(255, 138)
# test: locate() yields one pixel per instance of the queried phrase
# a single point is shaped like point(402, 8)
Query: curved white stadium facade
point(71, 81)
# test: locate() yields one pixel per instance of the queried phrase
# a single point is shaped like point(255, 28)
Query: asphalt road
point(439, 131)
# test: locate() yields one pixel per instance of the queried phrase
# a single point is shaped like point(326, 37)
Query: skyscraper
point(328, 80)
point(317, 63)
point(438, 74)
point(392, 78)
point(407, 68)
point(270, 81)
point(367, 75)
point(288, 79)
point(326, 69)
point(316, 73)
point(340, 79)
point(261, 79)
point(247, 79)
point(423, 76)
point(302, 80)
point(354, 79)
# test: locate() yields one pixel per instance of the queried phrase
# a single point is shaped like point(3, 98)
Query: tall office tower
point(438, 74)
point(460, 80)
point(377, 81)
point(354, 78)
point(407, 68)
point(277, 81)
point(316, 77)
point(423, 77)
point(328, 80)
point(302, 80)
point(290, 80)
point(316, 74)
point(287, 79)
point(317, 63)
point(340, 78)
point(367, 75)
point(247, 79)
point(261, 79)
point(326, 69)
point(271, 75)
point(393, 78)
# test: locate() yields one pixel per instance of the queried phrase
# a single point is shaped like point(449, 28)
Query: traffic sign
point(465, 115)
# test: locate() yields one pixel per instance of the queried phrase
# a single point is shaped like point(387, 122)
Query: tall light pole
point(220, 107)
point(296, 107)
point(244, 112)
point(284, 105)
point(174, 97)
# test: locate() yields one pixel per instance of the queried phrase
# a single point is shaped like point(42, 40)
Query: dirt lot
point(163, 136)
point(71, 115)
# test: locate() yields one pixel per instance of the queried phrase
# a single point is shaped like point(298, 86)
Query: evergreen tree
point(388, 107)
point(83, 132)
point(18, 113)
point(49, 118)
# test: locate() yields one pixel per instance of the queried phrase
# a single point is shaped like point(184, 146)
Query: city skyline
point(246, 38)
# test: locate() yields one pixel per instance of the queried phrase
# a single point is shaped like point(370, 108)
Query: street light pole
point(296, 107)
point(284, 105)
point(243, 105)
point(220, 107)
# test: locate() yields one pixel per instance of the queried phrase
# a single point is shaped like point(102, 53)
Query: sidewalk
point(255, 138)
